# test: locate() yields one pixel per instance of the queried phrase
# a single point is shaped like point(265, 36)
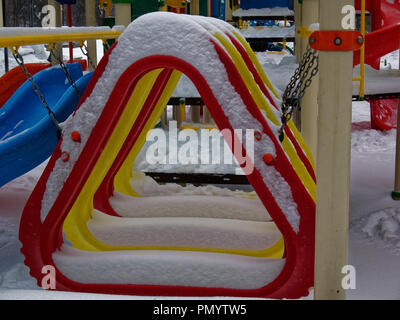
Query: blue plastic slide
point(27, 134)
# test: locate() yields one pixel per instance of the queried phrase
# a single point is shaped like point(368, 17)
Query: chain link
point(67, 74)
point(20, 60)
point(86, 53)
point(296, 89)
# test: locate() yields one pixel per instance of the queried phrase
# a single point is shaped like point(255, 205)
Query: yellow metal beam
point(17, 41)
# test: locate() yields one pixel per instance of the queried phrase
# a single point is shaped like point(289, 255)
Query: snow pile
point(264, 12)
point(175, 268)
point(373, 140)
point(30, 54)
point(268, 32)
point(280, 70)
point(383, 227)
point(185, 232)
point(377, 81)
point(186, 205)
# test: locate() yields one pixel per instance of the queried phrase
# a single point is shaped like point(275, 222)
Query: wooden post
point(309, 104)
point(194, 7)
point(164, 119)
point(228, 12)
point(58, 51)
point(1, 14)
point(333, 166)
point(123, 13)
point(195, 114)
point(206, 115)
point(298, 23)
point(176, 115)
point(396, 192)
point(90, 12)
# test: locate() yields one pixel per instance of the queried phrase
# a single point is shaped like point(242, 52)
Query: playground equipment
point(266, 13)
point(31, 116)
point(383, 39)
point(124, 99)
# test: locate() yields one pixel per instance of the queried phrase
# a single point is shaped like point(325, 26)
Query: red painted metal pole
point(71, 49)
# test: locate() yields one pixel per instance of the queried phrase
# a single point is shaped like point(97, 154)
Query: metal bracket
point(336, 40)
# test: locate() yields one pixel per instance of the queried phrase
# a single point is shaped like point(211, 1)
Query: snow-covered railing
point(15, 37)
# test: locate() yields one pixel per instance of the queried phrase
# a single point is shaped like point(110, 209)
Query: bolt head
point(360, 39)
point(338, 41)
point(312, 40)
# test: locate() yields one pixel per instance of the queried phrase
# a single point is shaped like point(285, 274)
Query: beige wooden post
point(164, 118)
point(176, 115)
point(58, 23)
point(309, 104)
point(123, 14)
point(333, 166)
point(90, 12)
point(298, 23)
point(195, 114)
point(1, 14)
point(228, 12)
point(194, 7)
point(206, 115)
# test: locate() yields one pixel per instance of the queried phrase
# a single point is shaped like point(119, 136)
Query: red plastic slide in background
point(384, 114)
point(12, 80)
point(385, 30)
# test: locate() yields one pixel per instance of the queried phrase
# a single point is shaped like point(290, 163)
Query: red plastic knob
point(268, 158)
point(76, 136)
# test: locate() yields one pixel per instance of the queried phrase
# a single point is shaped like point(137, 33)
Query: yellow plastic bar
point(17, 41)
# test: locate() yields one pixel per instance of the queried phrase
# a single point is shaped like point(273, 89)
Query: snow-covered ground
point(374, 235)
point(268, 32)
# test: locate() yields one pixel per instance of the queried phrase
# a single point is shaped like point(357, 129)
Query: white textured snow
point(189, 232)
point(268, 32)
point(177, 268)
point(156, 33)
point(277, 11)
point(377, 81)
point(30, 54)
point(201, 205)
point(27, 31)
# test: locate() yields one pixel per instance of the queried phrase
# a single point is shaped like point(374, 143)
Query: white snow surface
point(189, 232)
point(265, 32)
point(25, 31)
point(183, 268)
point(277, 11)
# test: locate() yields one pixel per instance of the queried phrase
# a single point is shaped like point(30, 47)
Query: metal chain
point(18, 58)
point(86, 53)
point(67, 74)
point(296, 89)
